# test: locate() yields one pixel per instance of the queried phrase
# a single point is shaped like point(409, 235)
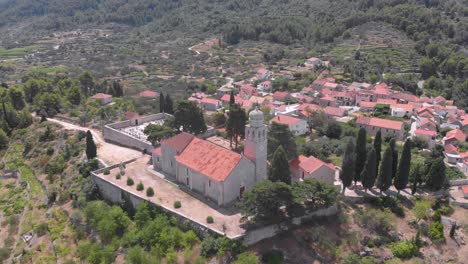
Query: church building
point(219, 174)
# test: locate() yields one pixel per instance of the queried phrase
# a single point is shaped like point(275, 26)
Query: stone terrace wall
point(459, 182)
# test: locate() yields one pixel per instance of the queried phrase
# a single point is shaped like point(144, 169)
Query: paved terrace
point(137, 131)
point(166, 193)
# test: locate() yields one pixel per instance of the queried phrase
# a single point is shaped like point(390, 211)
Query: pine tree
point(169, 105)
point(402, 175)
point(349, 162)
point(384, 180)
point(436, 175)
point(368, 174)
point(162, 105)
point(91, 150)
point(361, 153)
point(232, 99)
point(378, 149)
point(279, 170)
point(392, 145)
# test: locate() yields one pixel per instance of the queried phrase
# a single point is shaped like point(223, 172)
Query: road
point(108, 153)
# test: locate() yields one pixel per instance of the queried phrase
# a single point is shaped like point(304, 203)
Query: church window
point(157, 158)
point(187, 171)
point(209, 183)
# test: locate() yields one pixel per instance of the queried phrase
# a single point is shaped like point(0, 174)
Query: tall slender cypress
point(232, 99)
point(279, 170)
point(361, 153)
point(162, 103)
point(348, 167)
point(402, 175)
point(384, 181)
point(169, 105)
point(91, 150)
point(368, 174)
point(392, 145)
point(378, 150)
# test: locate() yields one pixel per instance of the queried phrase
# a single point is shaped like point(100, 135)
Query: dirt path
point(108, 153)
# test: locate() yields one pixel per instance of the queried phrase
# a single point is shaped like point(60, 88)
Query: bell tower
point(255, 147)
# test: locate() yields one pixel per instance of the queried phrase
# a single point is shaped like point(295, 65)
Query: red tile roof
point(286, 120)
point(365, 104)
point(280, 96)
point(379, 122)
point(425, 132)
point(334, 111)
point(209, 159)
point(465, 189)
point(457, 134)
point(148, 94)
point(406, 107)
point(157, 151)
point(101, 96)
point(227, 97)
point(451, 149)
point(178, 142)
point(212, 101)
point(309, 164)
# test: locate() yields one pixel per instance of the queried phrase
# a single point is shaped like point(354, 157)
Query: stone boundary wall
point(113, 135)
point(459, 182)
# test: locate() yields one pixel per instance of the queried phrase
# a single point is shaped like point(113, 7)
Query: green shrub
point(41, 229)
point(404, 249)
point(149, 192)
point(9, 241)
point(118, 176)
point(50, 151)
point(177, 204)
point(171, 257)
point(445, 210)
point(130, 181)
point(106, 171)
point(210, 219)
point(273, 257)
point(140, 187)
point(436, 232)
point(376, 220)
point(4, 254)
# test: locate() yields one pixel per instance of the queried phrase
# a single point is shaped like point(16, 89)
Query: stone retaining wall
point(459, 182)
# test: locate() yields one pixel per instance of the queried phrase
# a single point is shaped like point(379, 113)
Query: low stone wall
point(463, 205)
point(459, 182)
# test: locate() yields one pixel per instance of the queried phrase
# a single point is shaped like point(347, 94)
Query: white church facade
point(219, 174)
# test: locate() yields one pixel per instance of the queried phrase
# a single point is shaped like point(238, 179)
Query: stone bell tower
point(255, 147)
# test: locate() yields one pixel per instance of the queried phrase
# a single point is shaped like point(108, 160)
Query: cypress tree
point(402, 175)
point(232, 99)
point(368, 174)
point(91, 150)
point(279, 170)
point(348, 166)
point(384, 180)
point(162, 104)
point(392, 145)
point(361, 153)
point(169, 105)
point(436, 175)
point(378, 150)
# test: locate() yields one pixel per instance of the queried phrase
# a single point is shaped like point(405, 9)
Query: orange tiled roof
point(178, 142)
point(286, 120)
point(309, 164)
point(456, 134)
point(379, 122)
point(209, 159)
point(101, 96)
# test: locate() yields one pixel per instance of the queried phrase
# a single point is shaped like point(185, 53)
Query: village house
point(103, 98)
point(297, 126)
point(428, 135)
point(334, 112)
point(225, 99)
point(303, 168)
point(426, 124)
point(213, 171)
point(210, 104)
point(265, 86)
point(367, 106)
point(282, 96)
point(147, 94)
point(264, 74)
point(365, 96)
point(313, 62)
point(453, 136)
point(247, 91)
point(325, 100)
point(401, 110)
point(387, 127)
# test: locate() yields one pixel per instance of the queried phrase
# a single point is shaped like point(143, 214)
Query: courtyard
point(166, 193)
